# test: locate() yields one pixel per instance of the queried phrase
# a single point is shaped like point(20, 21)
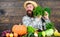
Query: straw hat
point(32, 2)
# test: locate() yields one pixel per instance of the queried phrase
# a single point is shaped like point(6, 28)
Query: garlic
point(35, 34)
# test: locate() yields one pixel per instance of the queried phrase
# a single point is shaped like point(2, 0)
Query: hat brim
point(32, 2)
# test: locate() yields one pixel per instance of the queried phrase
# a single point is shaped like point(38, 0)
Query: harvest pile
point(29, 31)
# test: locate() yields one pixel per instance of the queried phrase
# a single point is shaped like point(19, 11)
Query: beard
point(30, 13)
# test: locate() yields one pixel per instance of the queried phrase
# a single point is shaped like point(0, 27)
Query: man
point(30, 20)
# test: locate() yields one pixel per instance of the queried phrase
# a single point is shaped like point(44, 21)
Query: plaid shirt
point(34, 22)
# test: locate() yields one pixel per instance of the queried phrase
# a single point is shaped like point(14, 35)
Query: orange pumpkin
point(15, 35)
point(19, 29)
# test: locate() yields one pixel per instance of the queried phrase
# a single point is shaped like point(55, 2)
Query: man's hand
point(46, 16)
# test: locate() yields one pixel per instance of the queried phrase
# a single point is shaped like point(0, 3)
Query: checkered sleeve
point(47, 21)
point(25, 21)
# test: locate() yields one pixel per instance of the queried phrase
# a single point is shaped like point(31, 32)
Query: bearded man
point(30, 20)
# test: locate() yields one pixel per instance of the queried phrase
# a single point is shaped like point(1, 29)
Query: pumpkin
point(15, 35)
point(19, 29)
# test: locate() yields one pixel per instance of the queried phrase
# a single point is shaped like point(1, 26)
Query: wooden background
point(14, 11)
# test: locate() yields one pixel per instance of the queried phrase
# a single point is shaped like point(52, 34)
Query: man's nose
point(29, 8)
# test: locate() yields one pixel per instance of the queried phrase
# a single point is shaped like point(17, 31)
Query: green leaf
point(39, 34)
point(30, 29)
point(49, 25)
point(30, 34)
point(38, 11)
point(48, 10)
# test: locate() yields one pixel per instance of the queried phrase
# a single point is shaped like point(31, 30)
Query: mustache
point(29, 10)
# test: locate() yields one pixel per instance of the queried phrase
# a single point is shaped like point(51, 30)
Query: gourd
point(19, 29)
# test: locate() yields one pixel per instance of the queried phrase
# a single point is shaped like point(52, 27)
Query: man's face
point(29, 9)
